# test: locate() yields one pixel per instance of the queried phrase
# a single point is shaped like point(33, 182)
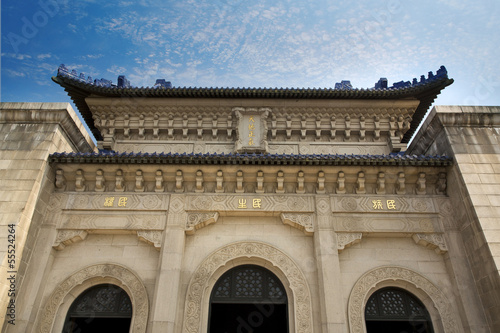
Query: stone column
point(333, 317)
point(166, 295)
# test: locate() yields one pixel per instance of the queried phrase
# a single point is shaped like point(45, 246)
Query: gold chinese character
point(122, 202)
point(251, 126)
point(257, 203)
point(250, 142)
point(108, 202)
point(242, 203)
point(377, 204)
point(250, 135)
point(251, 119)
point(391, 204)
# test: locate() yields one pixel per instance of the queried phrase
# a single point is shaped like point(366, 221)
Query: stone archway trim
point(200, 280)
point(134, 287)
point(366, 283)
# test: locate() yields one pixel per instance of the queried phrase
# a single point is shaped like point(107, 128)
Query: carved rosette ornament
point(369, 281)
point(432, 241)
point(203, 274)
point(302, 222)
point(345, 240)
point(67, 237)
point(129, 282)
point(197, 221)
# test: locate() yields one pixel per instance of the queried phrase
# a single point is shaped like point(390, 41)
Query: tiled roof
point(425, 90)
point(108, 157)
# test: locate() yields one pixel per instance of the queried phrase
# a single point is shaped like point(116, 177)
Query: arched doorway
point(102, 308)
point(394, 310)
point(248, 299)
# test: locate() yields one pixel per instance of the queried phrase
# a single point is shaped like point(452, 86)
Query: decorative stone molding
point(130, 283)
point(153, 237)
point(404, 226)
point(197, 221)
point(344, 240)
point(302, 222)
point(268, 203)
point(367, 283)
point(67, 237)
point(201, 278)
point(432, 241)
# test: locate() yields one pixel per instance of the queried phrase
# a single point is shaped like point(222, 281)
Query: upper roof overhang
point(425, 93)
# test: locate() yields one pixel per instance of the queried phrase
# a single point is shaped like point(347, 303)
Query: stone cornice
point(49, 113)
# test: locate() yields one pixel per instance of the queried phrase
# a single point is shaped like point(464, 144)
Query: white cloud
point(43, 56)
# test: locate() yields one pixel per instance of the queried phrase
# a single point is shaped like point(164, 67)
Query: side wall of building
point(471, 135)
point(29, 133)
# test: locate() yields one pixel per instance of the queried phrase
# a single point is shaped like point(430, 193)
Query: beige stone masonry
point(30, 132)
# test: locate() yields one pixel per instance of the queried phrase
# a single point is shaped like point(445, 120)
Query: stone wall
point(29, 132)
point(471, 135)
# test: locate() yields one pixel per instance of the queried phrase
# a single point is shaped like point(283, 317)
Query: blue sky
point(236, 43)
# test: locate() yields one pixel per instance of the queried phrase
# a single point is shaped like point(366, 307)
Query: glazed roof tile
point(110, 157)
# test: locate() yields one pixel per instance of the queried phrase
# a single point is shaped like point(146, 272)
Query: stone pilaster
point(327, 261)
point(166, 294)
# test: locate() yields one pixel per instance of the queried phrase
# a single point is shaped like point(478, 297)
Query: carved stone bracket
point(152, 237)
point(432, 241)
point(196, 221)
point(302, 222)
point(67, 237)
point(345, 240)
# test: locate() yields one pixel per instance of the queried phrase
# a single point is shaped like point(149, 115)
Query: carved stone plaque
point(252, 129)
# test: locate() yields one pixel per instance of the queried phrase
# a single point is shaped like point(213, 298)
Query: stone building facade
point(240, 210)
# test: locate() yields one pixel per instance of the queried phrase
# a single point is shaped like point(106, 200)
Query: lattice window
point(393, 303)
point(105, 300)
point(248, 283)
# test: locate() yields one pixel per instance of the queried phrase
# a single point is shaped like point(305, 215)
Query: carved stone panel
point(252, 129)
point(117, 201)
point(113, 221)
point(382, 204)
point(250, 203)
point(395, 224)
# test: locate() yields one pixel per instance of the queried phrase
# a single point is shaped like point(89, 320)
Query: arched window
point(394, 310)
point(102, 308)
point(248, 298)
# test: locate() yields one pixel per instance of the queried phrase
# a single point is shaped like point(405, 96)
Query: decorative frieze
point(403, 225)
point(259, 179)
